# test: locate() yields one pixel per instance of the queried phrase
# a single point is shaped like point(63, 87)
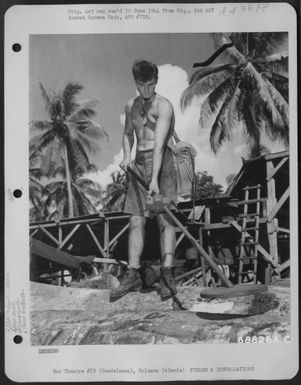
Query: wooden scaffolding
point(217, 223)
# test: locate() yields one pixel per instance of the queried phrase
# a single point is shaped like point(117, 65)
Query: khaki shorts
point(136, 199)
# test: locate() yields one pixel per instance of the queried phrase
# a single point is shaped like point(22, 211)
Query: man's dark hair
point(144, 71)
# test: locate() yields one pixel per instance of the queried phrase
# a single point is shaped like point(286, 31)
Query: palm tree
point(83, 192)
point(68, 138)
point(116, 192)
point(249, 91)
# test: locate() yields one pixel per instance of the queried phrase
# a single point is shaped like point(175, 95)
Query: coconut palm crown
point(66, 140)
point(249, 91)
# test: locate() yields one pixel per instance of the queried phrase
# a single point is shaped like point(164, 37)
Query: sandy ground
point(72, 315)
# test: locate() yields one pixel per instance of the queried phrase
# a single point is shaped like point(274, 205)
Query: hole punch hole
point(17, 193)
point(18, 339)
point(16, 47)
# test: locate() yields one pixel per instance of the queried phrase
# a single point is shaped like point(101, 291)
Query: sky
point(102, 64)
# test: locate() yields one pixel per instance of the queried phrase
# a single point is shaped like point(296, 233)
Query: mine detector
point(239, 238)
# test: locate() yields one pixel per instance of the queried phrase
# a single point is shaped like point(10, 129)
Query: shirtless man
point(150, 117)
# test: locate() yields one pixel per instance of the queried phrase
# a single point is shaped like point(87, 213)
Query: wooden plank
point(34, 233)
point(201, 250)
point(202, 258)
point(276, 155)
point(66, 223)
point(283, 230)
point(188, 274)
point(283, 266)
point(234, 291)
point(49, 235)
point(281, 201)
point(274, 170)
point(105, 260)
point(96, 240)
point(73, 231)
point(179, 240)
point(107, 238)
point(113, 240)
point(264, 253)
point(271, 203)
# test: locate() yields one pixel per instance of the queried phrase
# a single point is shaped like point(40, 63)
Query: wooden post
point(202, 258)
point(210, 252)
point(272, 224)
point(106, 242)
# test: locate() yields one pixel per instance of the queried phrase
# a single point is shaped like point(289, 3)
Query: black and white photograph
point(159, 204)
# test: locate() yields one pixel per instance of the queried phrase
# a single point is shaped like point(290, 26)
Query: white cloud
point(122, 119)
point(104, 177)
point(240, 149)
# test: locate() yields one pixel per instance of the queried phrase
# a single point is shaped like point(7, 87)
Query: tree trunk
point(69, 188)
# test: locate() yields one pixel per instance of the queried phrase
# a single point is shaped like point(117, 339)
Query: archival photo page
point(151, 180)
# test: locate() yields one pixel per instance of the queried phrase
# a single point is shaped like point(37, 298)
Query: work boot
point(167, 283)
point(131, 282)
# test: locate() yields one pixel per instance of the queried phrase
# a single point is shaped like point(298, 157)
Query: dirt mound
point(65, 315)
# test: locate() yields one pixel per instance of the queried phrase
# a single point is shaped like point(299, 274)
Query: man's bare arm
point(164, 122)
point(128, 137)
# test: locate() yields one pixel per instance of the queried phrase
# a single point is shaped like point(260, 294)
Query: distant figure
point(150, 117)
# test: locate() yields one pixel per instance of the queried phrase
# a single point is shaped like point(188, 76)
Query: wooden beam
point(107, 238)
point(280, 203)
point(283, 230)
point(184, 275)
point(49, 235)
point(274, 170)
point(202, 258)
point(73, 231)
point(67, 222)
point(96, 240)
point(283, 266)
point(179, 239)
point(113, 240)
point(201, 250)
point(105, 260)
point(276, 155)
point(34, 233)
point(264, 253)
point(271, 203)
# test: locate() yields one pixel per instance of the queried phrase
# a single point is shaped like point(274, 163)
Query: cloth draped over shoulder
point(183, 154)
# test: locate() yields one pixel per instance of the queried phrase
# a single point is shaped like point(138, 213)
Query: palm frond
point(220, 130)
point(262, 100)
point(277, 63)
point(277, 57)
point(68, 97)
point(280, 82)
point(36, 172)
point(283, 108)
point(84, 110)
point(88, 143)
point(39, 142)
point(55, 187)
point(92, 168)
point(39, 125)
point(215, 99)
point(82, 202)
point(266, 43)
point(46, 97)
point(234, 107)
point(86, 182)
point(204, 82)
point(52, 158)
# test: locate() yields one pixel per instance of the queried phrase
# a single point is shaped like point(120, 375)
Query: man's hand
point(153, 188)
point(125, 163)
